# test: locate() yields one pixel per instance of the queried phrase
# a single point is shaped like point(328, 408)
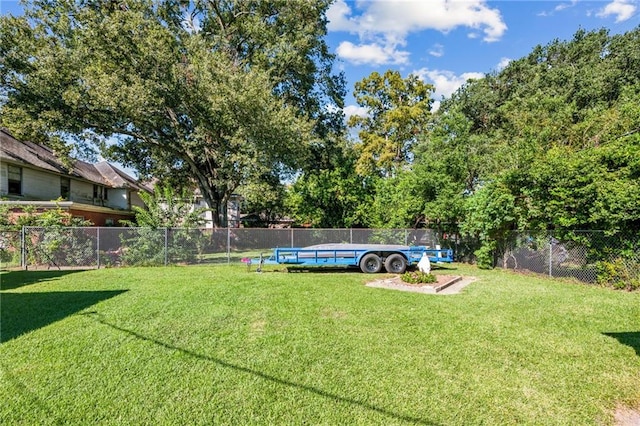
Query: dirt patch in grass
point(446, 284)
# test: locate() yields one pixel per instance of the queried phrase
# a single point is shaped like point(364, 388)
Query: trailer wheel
point(395, 264)
point(371, 264)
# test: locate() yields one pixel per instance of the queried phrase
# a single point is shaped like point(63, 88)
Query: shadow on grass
point(630, 338)
point(341, 269)
point(321, 269)
point(24, 312)
point(442, 266)
point(274, 379)
point(16, 279)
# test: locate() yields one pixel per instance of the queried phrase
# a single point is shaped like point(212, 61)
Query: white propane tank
point(424, 265)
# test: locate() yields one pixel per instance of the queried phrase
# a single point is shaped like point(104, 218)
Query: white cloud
point(387, 24)
point(503, 63)
point(402, 17)
point(331, 108)
point(445, 82)
point(622, 9)
point(337, 15)
point(437, 50)
point(350, 110)
point(559, 8)
point(563, 6)
point(371, 54)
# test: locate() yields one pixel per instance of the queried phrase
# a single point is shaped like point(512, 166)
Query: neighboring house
point(31, 175)
point(232, 219)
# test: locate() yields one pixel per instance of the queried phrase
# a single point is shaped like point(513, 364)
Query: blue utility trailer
point(370, 258)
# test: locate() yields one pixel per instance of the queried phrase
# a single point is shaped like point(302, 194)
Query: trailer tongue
point(370, 258)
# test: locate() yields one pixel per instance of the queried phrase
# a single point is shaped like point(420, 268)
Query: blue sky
point(446, 42)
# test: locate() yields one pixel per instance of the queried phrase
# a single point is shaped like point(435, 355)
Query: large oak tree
point(222, 92)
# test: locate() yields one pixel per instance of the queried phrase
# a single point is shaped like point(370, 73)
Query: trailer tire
point(395, 264)
point(371, 264)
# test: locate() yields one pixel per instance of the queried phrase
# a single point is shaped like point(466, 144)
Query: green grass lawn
point(220, 345)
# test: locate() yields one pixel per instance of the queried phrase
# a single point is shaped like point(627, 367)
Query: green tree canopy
point(332, 196)
point(398, 111)
point(220, 92)
point(550, 142)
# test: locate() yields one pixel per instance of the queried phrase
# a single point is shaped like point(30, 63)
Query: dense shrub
point(416, 277)
point(620, 273)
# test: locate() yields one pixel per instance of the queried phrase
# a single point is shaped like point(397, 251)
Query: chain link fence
point(96, 247)
point(589, 256)
point(10, 249)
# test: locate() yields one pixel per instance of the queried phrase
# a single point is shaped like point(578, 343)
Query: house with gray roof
point(31, 174)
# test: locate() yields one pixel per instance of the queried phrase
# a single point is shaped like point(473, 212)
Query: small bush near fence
point(10, 248)
point(619, 273)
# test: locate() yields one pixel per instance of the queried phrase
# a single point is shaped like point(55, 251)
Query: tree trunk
point(214, 203)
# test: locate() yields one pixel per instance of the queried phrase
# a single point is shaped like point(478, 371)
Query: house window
point(99, 192)
point(15, 180)
point(65, 187)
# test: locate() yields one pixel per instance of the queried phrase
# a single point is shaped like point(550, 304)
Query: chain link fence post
point(228, 246)
point(166, 246)
point(550, 255)
point(98, 248)
point(23, 249)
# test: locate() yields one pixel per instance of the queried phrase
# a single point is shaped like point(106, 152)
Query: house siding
point(42, 185)
point(42, 174)
point(82, 192)
point(118, 198)
point(4, 179)
point(37, 185)
point(136, 200)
